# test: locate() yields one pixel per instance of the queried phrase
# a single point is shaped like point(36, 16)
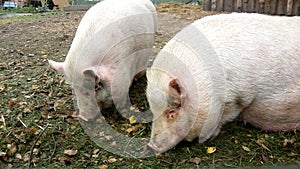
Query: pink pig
point(109, 48)
point(222, 67)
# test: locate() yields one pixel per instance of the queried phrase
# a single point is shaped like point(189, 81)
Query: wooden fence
point(273, 7)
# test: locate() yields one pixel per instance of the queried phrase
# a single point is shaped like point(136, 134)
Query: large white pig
point(221, 67)
point(112, 39)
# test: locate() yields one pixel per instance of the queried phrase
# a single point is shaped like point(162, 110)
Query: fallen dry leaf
point(211, 150)
point(114, 144)
point(43, 53)
point(12, 102)
point(245, 148)
point(264, 158)
point(19, 156)
point(64, 159)
point(2, 154)
point(195, 160)
point(132, 120)
point(12, 149)
point(288, 141)
point(292, 154)
point(129, 130)
point(260, 142)
point(96, 151)
point(265, 147)
point(103, 166)
point(2, 87)
point(26, 156)
point(70, 152)
point(112, 160)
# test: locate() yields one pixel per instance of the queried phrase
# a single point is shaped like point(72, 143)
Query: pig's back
point(261, 57)
point(104, 26)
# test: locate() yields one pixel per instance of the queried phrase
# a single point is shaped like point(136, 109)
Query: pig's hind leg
point(275, 112)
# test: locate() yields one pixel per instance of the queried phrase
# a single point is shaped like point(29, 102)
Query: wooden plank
point(267, 9)
point(238, 5)
point(213, 5)
point(220, 5)
point(273, 6)
point(77, 7)
point(245, 6)
point(251, 6)
point(296, 8)
point(207, 5)
point(235, 6)
point(281, 8)
point(289, 8)
point(260, 5)
point(228, 5)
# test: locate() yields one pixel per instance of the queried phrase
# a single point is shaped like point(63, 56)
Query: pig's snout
point(152, 147)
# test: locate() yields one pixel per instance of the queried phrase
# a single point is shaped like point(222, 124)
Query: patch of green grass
point(20, 10)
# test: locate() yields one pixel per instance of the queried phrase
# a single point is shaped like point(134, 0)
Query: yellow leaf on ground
point(245, 148)
point(2, 87)
point(103, 166)
point(112, 160)
point(70, 152)
point(132, 120)
point(211, 150)
point(43, 53)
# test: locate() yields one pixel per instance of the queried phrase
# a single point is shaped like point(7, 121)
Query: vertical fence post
point(220, 5)
point(260, 6)
point(289, 8)
point(251, 5)
point(207, 5)
point(228, 5)
point(245, 6)
point(238, 5)
point(273, 6)
point(297, 8)
point(214, 5)
point(281, 10)
point(267, 9)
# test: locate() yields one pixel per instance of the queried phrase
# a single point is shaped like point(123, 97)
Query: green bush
point(26, 10)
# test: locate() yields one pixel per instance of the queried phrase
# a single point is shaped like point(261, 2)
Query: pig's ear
point(176, 90)
point(59, 66)
point(102, 73)
point(90, 74)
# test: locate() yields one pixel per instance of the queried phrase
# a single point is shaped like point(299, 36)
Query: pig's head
point(90, 86)
point(173, 118)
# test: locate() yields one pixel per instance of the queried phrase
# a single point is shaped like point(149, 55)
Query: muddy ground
point(38, 127)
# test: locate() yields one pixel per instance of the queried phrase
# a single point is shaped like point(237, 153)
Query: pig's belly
point(273, 116)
